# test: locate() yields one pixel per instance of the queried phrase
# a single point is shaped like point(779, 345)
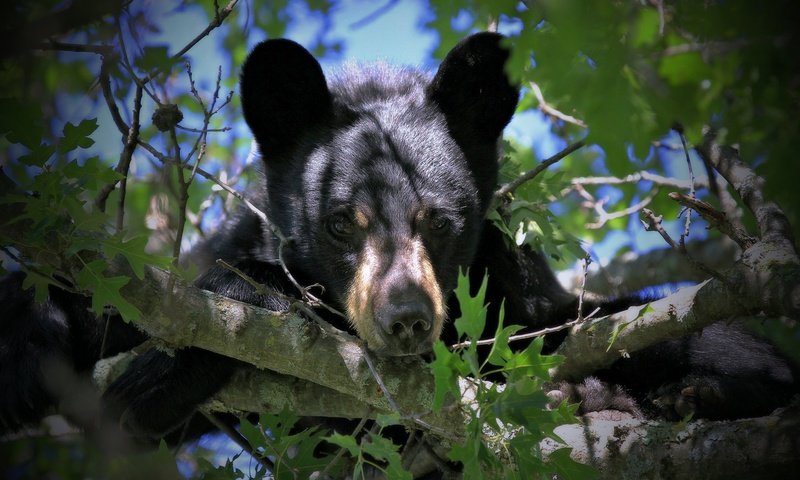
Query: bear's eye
point(341, 226)
point(439, 223)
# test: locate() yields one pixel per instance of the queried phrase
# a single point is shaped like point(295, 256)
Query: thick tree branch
point(285, 343)
point(255, 390)
point(623, 447)
point(587, 348)
point(765, 279)
point(629, 271)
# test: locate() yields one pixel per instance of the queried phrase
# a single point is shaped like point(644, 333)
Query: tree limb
point(765, 279)
point(285, 343)
point(623, 447)
point(629, 271)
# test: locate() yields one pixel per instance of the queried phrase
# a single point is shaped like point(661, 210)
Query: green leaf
point(530, 362)
point(376, 446)
point(92, 169)
point(155, 59)
point(382, 448)
point(525, 448)
point(77, 135)
point(345, 441)
point(222, 472)
point(38, 156)
point(569, 468)
point(473, 310)
point(388, 419)
point(21, 122)
point(500, 223)
point(621, 326)
point(105, 290)
point(40, 284)
point(292, 452)
point(478, 460)
point(445, 368)
point(254, 435)
point(645, 30)
point(134, 252)
point(501, 352)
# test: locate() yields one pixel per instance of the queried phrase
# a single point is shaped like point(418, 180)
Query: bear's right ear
point(284, 94)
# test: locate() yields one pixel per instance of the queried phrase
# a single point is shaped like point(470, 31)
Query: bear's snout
point(405, 321)
point(395, 302)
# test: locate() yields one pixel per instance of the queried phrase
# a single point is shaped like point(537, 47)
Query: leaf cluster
point(54, 225)
point(507, 419)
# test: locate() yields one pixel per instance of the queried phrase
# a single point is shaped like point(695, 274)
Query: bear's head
point(380, 177)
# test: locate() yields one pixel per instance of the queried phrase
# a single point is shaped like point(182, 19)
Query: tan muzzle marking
point(415, 260)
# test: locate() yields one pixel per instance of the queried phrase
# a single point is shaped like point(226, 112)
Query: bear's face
point(381, 179)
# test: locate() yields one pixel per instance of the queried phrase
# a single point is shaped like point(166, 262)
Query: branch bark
point(335, 381)
point(765, 279)
point(257, 390)
point(287, 344)
point(629, 271)
point(624, 447)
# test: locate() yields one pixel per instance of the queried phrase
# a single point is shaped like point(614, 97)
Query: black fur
point(381, 170)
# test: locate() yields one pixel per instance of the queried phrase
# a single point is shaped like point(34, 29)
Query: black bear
point(380, 180)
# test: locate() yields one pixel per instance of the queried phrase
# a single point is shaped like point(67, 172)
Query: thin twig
point(692, 193)
point(415, 418)
point(305, 292)
point(706, 49)
point(210, 130)
point(166, 160)
point(586, 261)
point(529, 175)
point(75, 47)
point(637, 177)
point(660, 7)
point(716, 219)
point(603, 216)
point(201, 140)
point(260, 288)
point(653, 223)
point(127, 64)
point(371, 17)
point(127, 156)
point(492, 24)
point(105, 85)
point(219, 17)
point(183, 198)
point(551, 111)
point(386, 393)
point(294, 303)
point(527, 336)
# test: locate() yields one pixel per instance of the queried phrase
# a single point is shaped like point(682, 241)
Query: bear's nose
point(406, 325)
point(406, 320)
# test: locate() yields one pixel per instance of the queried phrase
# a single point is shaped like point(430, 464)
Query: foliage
point(292, 454)
point(71, 457)
point(508, 419)
point(631, 72)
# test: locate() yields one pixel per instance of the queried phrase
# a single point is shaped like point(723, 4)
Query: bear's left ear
point(472, 89)
point(284, 94)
